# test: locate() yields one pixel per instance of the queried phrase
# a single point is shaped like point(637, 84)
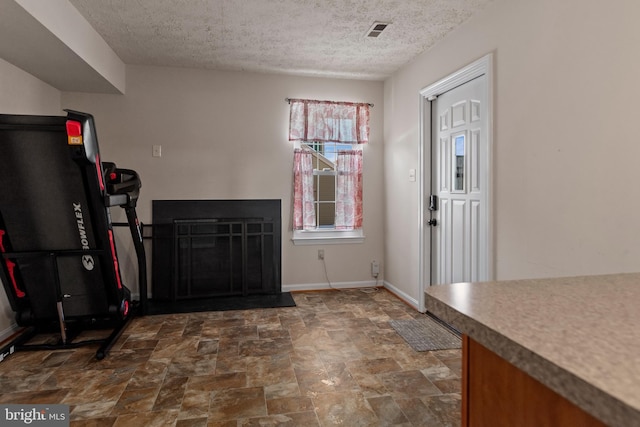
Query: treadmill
point(58, 260)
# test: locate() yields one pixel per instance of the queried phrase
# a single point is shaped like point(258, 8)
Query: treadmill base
point(21, 342)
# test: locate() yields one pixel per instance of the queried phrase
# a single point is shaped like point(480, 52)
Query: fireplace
point(215, 248)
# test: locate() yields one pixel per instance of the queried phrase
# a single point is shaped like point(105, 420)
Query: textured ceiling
point(303, 37)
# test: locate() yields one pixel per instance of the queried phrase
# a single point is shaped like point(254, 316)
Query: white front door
point(460, 176)
point(460, 245)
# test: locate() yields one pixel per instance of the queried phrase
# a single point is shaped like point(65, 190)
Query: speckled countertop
point(580, 336)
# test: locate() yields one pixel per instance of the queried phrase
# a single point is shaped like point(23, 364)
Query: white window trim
point(327, 237)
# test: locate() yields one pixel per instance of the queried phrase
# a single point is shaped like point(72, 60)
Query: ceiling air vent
point(376, 29)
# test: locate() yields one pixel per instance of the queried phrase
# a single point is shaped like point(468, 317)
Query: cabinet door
point(497, 394)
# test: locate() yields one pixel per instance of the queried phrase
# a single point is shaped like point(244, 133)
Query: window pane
point(331, 150)
point(459, 152)
point(326, 215)
point(326, 188)
point(324, 180)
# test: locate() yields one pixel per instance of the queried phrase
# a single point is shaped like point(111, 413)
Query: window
point(324, 158)
point(328, 140)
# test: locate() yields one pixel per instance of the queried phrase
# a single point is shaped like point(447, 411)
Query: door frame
point(482, 66)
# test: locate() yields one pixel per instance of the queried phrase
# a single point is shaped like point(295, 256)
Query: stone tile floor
point(332, 360)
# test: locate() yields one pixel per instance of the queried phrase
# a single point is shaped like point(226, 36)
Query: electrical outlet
point(320, 253)
point(375, 269)
point(157, 151)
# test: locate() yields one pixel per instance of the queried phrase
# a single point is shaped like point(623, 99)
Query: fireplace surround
point(215, 248)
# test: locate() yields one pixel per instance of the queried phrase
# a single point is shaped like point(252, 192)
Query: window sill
point(327, 237)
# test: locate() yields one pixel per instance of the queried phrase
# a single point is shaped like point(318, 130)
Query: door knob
point(432, 222)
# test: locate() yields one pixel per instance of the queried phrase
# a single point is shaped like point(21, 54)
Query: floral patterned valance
point(328, 121)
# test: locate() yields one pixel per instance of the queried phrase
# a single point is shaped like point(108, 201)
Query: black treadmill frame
point(100, 195)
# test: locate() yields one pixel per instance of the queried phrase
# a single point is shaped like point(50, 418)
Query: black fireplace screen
point(223, 257)
point(208, 248)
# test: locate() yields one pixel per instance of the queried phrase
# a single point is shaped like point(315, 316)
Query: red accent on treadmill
point(115, 259)
point(11, 266)
point(99, 171)
point(113, 176)
point(125, 310)
point(74, 128)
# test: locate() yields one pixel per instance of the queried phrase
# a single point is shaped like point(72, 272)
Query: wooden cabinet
point(495, 393)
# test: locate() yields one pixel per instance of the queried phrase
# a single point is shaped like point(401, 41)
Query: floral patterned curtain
point(304, 216)
point(349, 190)
point(328, 121)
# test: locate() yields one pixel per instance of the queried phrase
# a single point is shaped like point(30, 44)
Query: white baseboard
point(6, 333)
point(334, 285)
point(403, 296)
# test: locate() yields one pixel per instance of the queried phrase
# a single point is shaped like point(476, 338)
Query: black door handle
point(432, 222)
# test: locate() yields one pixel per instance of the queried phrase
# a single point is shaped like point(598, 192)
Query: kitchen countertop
point(580, 336)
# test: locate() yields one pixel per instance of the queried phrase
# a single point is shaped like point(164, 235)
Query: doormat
point(283, 299)
point(426, 334)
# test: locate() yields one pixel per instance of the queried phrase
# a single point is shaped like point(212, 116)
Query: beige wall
point(21, 93)
point(565, 90)
point(224, 136)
